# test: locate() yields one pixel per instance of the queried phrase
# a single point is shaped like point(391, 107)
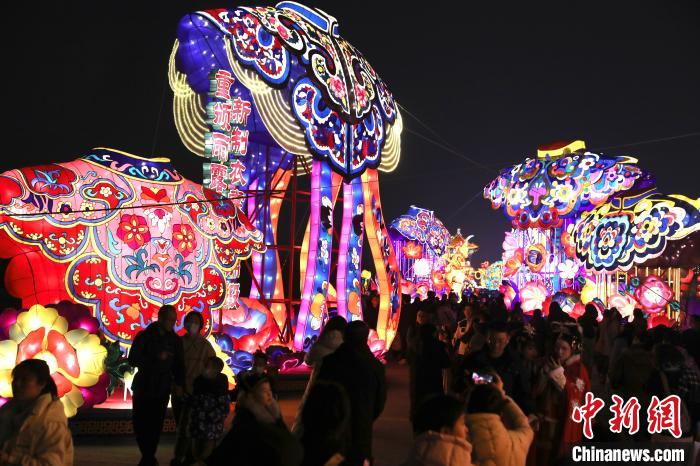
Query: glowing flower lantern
point(438, 279)
point(512, 265)
point(251, 325)
point(532, 296)
point(653, 294)
point(74, 355)
point(510, 245)
point(568, 269)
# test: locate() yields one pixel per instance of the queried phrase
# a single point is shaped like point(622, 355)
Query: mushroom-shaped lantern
point(301, 96)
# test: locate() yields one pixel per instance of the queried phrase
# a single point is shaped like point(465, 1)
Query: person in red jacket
point(562, 386)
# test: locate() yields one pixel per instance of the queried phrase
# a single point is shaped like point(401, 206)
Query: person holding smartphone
point(506, 363)
point(500, 432)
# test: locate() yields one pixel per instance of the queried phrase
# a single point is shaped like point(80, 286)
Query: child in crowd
point(210, 405)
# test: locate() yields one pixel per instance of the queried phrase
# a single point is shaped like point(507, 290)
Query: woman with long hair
point(562, 385)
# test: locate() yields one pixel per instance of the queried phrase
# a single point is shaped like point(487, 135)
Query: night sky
point(493, 79)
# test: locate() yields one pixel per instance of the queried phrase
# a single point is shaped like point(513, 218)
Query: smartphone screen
point(481, 379)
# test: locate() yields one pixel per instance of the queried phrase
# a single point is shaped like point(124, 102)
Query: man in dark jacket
point(158, 355)
point(354, 367)
point(507, 364)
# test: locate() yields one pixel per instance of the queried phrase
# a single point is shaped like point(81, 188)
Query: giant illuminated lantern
point(544, 196)
point(641, 244)
point(122, 235)
point(420, 240)
point(313, 105)
point(599, 224)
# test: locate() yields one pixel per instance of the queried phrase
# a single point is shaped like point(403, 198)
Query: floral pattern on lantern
point(619, 235)
point(74, 354)
point(184, 239)
point(133, 230)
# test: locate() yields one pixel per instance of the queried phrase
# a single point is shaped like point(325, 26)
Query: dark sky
point(494, 79)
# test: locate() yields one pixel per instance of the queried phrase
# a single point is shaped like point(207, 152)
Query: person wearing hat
point(562, 385)
point(258, 434)
point(33, 425)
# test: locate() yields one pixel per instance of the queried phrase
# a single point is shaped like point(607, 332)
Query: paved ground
point(392, 432)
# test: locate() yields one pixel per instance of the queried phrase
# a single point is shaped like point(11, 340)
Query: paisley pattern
point(130, 244)
point(611, 237)
point(539, 193)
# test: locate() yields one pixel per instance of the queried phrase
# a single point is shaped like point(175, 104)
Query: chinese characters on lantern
point(227, 138)
point(662, 415)
point(225, 145)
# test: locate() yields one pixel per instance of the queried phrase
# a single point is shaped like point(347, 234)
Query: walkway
point(392, 432)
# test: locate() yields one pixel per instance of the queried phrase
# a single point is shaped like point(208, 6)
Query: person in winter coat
point(158, 355)
point(329, 340)
point(500, 432)
point(441, 434)
point(258, 435)
point(33, 425)
point(197, 351)
point(561, 385)
point(326, 416)
point(354, 367)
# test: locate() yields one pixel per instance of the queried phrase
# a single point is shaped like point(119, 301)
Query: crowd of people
point(487, 387)
point(519, 378)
